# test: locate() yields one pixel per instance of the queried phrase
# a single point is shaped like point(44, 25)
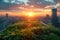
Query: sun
point(30, 14)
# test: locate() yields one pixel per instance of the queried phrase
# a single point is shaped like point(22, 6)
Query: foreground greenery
point(19, 31)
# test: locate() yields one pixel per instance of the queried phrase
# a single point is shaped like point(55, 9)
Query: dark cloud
point(58, 0)
point(7, 5)
point(3, 5)
point(42, 3)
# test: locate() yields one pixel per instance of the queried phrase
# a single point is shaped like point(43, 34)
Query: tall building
point(54, 17)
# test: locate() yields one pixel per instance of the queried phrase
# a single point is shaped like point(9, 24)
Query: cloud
point(53, 6)
point(52, 1)
point(41, 3)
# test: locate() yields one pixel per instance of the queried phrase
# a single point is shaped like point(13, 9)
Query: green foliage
point(19, 31)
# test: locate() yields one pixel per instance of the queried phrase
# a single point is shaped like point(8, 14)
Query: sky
point(13, 1)
point(15, 4)
point(43, 3)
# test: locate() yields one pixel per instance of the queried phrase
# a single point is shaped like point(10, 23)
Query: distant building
point(46, 19)
point(54, 17)
point(6, 15)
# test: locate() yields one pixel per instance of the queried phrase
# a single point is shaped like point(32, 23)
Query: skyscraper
point(54, 17)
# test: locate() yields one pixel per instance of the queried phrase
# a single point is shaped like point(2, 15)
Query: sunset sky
point(40, 7)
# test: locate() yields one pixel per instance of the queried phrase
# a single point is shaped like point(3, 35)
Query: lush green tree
point(18, 31)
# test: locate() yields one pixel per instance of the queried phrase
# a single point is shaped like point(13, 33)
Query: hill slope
point(32, 30)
